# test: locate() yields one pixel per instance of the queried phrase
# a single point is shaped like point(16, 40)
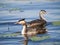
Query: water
point(29, 11)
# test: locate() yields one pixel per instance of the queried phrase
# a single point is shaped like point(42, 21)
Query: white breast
point(23, 30)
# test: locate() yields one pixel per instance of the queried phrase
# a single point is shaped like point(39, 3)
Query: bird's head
point(42, 12)
point(21, 21)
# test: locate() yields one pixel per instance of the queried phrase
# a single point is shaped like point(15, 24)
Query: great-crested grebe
point(26, 30)
point(40, 22)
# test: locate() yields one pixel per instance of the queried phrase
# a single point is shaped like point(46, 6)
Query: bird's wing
point(36, 23)
point(31, 29)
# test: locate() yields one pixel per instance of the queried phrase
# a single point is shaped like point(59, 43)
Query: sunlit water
point(7, 20)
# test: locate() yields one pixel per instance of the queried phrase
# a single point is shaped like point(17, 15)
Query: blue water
point(29, 11)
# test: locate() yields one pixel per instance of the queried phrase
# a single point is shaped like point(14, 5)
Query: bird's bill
point(17, 23)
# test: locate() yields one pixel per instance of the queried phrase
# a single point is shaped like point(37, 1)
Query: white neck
point(24, 29)
point(42, 16)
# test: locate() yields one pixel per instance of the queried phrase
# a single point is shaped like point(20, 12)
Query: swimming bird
point(25, 29)
point(38, 22)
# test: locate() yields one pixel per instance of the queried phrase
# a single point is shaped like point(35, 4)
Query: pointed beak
point(16, 22)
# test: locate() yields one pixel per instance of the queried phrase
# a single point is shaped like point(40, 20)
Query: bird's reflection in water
point(40, 37)
point(25, 39)
point(25, 42)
